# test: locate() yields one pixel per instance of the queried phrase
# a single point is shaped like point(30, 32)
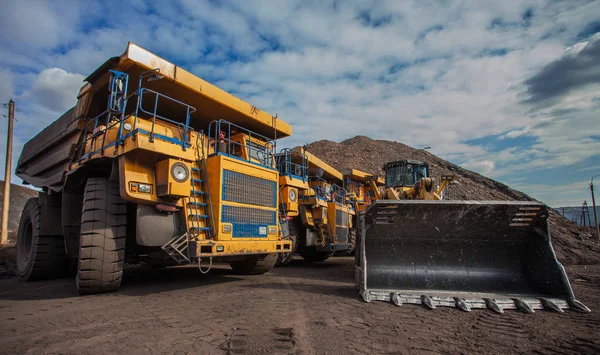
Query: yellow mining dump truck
point(359, 187)
point(319, 219)
point(415, 248)
point(153, 164)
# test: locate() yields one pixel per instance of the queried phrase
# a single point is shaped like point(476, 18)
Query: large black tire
point(286, 258)
point(312, 255)
point(254, 265)
point(103, 234)
point(39, 257)
point(352, 237)
point(351, 240)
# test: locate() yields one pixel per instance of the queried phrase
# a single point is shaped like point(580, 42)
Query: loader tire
point(311, 255)
point(352, 239)
point(39, 257)
point(102, 240)
point(252, 265)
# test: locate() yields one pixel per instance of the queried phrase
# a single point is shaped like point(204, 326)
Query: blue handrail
point(292, 163)
point(189, 110)
point(220, 132)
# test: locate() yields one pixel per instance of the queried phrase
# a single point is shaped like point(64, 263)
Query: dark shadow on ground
point(137, 281)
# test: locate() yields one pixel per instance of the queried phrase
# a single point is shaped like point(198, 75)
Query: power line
point(28, 111)
point(31, 119)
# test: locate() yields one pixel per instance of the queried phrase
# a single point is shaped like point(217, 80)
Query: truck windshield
point(401, 175)
point(259, 153)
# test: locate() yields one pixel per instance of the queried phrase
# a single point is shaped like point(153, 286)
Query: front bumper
point(331, 247)
point(206, 248)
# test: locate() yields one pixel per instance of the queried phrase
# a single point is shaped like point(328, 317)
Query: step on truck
point(152, 165)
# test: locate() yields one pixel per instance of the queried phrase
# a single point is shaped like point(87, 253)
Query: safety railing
point(90, 134)
point(326, 191)
point(183, 128)
point(338, 194)
point(258, 147)
point(292, 163)
point(116, 114)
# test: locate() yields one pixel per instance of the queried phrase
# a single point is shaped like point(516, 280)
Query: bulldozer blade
point(465, 254)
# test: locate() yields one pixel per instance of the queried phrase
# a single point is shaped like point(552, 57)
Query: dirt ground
point(299, 309)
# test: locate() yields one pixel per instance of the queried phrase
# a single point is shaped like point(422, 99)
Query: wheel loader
point(415, 248)
point(320, 221)
point(154, 165)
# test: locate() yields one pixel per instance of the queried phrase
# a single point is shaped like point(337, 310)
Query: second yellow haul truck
point(319, 219)
point(153, 163)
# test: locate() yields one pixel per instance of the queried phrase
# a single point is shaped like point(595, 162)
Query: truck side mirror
point(118, 91)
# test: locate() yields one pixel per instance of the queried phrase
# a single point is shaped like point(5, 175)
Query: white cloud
point(484, 167)
point(6, 86)
point(56, 89)
point(437, 74)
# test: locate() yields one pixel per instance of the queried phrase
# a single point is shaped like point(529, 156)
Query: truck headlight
point(272, 230)
point(293, 195)
point(179, 172)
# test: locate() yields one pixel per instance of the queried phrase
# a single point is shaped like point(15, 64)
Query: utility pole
point(594, 207)
point(7, 174)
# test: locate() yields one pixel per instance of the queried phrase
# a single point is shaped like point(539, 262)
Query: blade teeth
point(578, 306)
point(493, 305)
point(551, 305)
point(462, 304)
point(366, 296)
point(523, 306)
point(427, 301)
point(395, 297)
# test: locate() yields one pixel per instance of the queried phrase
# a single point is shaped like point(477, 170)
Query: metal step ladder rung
point(202, 216)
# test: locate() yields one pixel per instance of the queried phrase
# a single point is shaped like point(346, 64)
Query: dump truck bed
point(361, 176)
point(45, 159)
point(330, 173)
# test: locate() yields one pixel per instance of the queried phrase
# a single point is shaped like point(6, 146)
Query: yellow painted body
point(422, 191)
point(145, 160)
point(359, 188)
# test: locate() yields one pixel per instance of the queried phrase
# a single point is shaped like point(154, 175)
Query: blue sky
point(510, 89)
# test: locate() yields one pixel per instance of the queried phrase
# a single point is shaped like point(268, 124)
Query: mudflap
point(464, 254)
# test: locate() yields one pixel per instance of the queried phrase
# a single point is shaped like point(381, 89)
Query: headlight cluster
point(179, 172)
point(293, 195)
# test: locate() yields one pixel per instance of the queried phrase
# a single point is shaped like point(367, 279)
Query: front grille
point(341, 218)
point(249, 190)
point(248, 222)
point(341, 234)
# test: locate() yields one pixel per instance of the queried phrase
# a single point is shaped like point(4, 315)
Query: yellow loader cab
point(153, 164)
point(320, 223)
point(409, 179)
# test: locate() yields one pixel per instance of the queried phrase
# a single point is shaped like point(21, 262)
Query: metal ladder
point(196, 213)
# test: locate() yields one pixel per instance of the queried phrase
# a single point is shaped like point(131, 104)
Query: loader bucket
point(465, 254)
